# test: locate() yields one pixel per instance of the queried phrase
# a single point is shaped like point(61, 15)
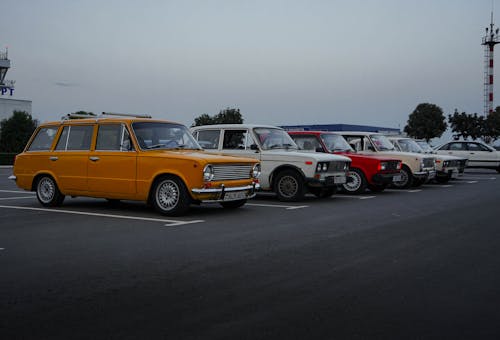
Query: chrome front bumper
point(12, 177)
point(222, 190)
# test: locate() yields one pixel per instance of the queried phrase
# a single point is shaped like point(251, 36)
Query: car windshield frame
point(163, 136)
point(425, 146)
point(337, 145)
point(381, 143)
point(271, 138)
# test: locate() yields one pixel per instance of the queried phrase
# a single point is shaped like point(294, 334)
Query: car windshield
point(425, 146)
point(336, 143)
point(409, 145)
point(157, 135)
point(274, 138)
point(382, 143)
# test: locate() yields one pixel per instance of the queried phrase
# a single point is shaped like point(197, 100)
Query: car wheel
point(233, 204)
point(170, 196)
point(376, 187)
point(406, 179)
point(48, 193)
point(289, 186)
point(356, 182)
point(323, 192)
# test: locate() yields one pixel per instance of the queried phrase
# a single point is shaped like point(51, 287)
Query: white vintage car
point(285, 170)
point(416, 168)
point(447, 167)
point(479, 155)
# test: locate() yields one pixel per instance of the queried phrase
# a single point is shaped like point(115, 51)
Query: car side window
point(445, 147)
point(208, 139)
point(354, 142)
point(43, 139)
point(367, 144)
point(306, 142)
point(457, 146)
point(476, 147)
point(76, 137)
point(113, 137)
point(236, 140)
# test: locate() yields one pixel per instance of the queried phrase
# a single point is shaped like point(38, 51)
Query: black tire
point(498, 169)
point(417, 182)
point(233, 204)
point(47, 192)
point(356, 182)
point(407, 179)
point(443, 179)
point(377, 187)
point(289, 186)
point(323, 192)
point(170, 197)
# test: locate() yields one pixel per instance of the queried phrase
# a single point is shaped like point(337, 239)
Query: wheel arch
point(284, 167)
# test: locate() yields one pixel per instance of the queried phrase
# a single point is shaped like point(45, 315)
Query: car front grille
point(224, 172)
point(392, 165)
point(336, 166)
point(428, 162)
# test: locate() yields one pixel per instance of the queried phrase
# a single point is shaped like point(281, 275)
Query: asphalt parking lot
point(417, 264)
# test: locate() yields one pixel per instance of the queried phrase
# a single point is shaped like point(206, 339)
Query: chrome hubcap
point(46, 190)
point(288, 186)
point(354, 183)
point(167, 195)
point(404, 179)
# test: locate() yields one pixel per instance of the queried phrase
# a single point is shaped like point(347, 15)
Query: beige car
point(447, 167)
point(416, 168)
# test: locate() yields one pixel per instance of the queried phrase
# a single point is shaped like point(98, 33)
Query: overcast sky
point(279, 62)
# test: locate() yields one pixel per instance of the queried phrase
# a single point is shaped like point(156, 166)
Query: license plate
point(340, 179)
point(234, 196)
point(454, 174)
point(431, 175)
point(397, 178)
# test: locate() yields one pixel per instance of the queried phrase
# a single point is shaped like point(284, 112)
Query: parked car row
point(133, 157)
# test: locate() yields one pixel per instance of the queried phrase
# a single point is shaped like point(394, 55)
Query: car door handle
point(53, 158)
point(94, 159)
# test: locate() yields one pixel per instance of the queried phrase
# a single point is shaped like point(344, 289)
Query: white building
point(8, 106)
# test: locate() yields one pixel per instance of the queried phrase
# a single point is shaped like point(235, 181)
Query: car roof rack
point(102, 115)
point(125, 115)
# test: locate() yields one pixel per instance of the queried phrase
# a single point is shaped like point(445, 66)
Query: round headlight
point(383, 166)
point(208, 173)
point(256, 171)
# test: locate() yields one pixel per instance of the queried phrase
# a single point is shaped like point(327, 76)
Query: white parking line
point(359, 197)
point(2, 249)
point(15, 198)
point(287, 207)
point(18, 191)
point(168, 223)
point(478, 178)
point(471, 182)
point(415, 190)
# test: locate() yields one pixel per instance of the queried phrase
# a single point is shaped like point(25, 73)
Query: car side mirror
point(319, 149)
point(254, 147)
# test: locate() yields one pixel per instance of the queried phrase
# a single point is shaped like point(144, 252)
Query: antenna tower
point(490, 39)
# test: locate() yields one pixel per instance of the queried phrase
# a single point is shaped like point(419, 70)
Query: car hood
point(284, 155)
point(198, 155)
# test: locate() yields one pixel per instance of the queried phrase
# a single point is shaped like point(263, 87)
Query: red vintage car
point(373, 172)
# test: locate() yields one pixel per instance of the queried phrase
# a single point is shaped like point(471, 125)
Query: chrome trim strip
point(256, 186)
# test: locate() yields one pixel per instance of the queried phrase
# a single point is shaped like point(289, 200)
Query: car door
point(238, 142)
point(68, 161)
point(458, 149)
point(480, 155)
point(112, 165)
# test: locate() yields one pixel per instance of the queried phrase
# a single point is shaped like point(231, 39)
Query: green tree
point(491, 128)
point(425, 122)
point(226, 116)
point(16, 131)
point(467, 125)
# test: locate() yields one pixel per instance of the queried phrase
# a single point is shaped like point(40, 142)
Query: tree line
point(427, 121)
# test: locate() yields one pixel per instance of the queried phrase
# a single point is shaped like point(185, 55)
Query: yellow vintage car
point(131, 157)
